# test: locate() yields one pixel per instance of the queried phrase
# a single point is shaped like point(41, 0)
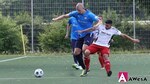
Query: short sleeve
point(117, 32)
point(94, 17)
point(73, 14)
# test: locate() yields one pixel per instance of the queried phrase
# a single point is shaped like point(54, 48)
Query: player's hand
point(66, 37)
point(54, 19)
point(136, 40)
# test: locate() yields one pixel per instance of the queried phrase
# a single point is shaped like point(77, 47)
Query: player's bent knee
point(77, 51)
point(87, 52)
point(84, 47)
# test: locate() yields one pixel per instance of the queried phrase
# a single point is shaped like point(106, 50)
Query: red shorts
point(93, 48)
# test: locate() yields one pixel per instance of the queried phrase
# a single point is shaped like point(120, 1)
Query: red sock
point(87, 62)
point(107, 65)
point(101, 61)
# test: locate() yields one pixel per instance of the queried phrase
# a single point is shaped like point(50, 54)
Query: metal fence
point(138, 10)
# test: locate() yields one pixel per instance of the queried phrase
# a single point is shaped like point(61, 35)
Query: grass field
point(57, 69)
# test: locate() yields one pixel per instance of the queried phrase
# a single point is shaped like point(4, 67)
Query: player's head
point(108, 24)
point(80, 8)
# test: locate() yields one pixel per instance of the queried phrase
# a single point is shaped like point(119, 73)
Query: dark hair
point(108, 22)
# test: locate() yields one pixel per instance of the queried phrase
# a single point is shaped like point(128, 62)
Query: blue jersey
point(85, 20)
point(74, 27)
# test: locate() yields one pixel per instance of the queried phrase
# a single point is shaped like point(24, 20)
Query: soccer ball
point(38, 73)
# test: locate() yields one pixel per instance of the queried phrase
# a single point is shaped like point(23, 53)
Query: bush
point(10, 36)
point(52, 39)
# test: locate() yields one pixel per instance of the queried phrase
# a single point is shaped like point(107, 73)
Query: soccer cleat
point(80, 68)
point(109, 73)
point(75, 66)
point(84, 73)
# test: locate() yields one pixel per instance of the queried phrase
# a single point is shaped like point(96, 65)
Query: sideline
point(11, 59)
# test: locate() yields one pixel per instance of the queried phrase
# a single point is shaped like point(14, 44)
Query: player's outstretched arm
point(87, 30)
point(61, 17)
point(92, 28)
point(130, 38)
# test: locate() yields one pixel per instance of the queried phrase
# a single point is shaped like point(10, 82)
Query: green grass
point(57, 69)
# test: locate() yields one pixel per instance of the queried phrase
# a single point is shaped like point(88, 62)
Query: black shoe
point(109, 73)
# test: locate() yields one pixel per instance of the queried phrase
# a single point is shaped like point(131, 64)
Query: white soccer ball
point(38, 73)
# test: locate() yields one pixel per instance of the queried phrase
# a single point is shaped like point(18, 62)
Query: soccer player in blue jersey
point(85, 19)
point(73, 26)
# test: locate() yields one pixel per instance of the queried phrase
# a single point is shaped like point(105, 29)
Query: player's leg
point(107, 65)
point(75, 65)
point(86, 62)
point(87, 41)
point(105, 53)
point(90, 50)
point(86, 58)
point(78, 52)
point(101, 60)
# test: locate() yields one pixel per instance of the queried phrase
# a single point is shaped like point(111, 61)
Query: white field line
point(11, 59)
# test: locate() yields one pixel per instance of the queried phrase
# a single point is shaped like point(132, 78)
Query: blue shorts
point(87, 39)
point(73, 43)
